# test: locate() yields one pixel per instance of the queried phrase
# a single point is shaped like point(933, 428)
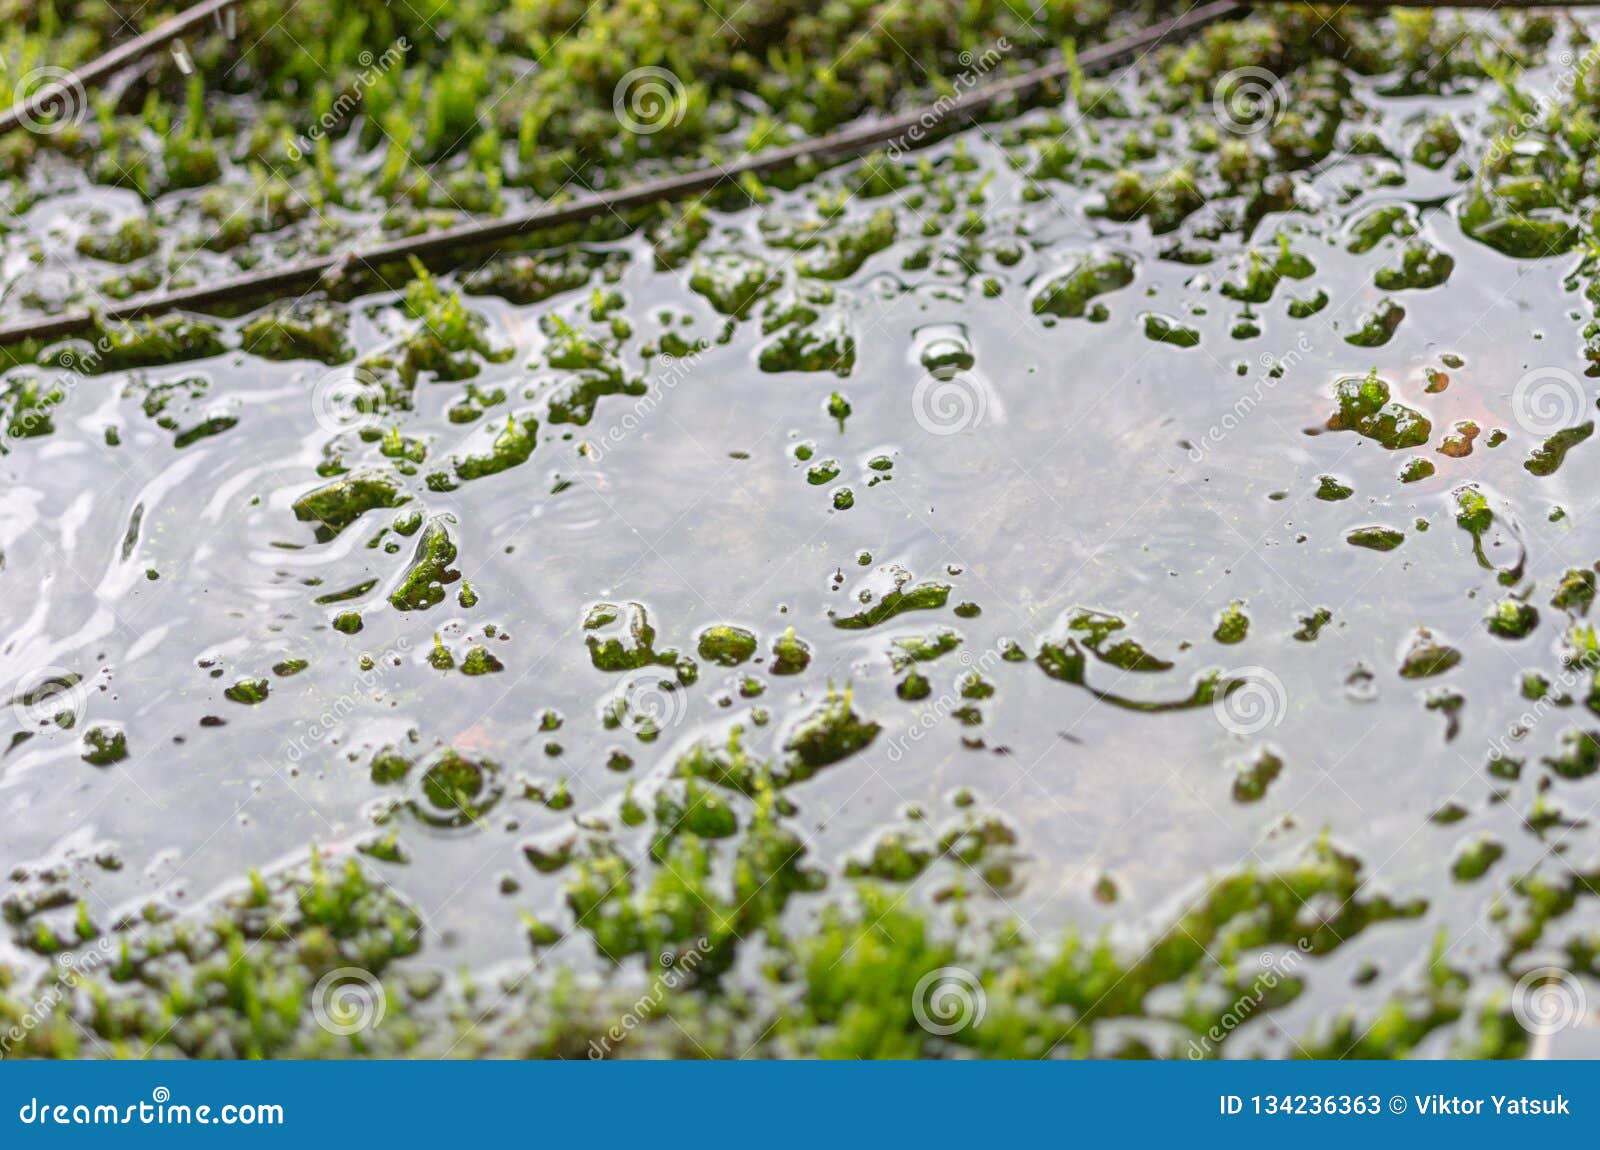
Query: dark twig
point(73, 85)
point(447, 244)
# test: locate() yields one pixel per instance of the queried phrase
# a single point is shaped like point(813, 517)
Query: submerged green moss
point(1070, 294)
point(1376, 538)
point(1365, 408)
point(155, 342)
point(336, 505)
point(921, 597)
point(1233, 625)
point(726, 646)
point(423, 584)
point(1426, 657)
point(1548, 457)
point(830, 733)
point(299, 331)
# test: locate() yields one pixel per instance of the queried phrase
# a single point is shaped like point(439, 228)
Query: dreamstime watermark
point(1275, 969)
point(1249, 700)
point(49, 695)
point(160, 1110)
point(949, 1000)
point(348, 1000)
point(51, 100)
point(678, 970)
point(650, 703)
point(1548, 1000)
point(1575, 666)
point(671, 371)
point(74, 362)
point(974, 68)
point(648, 100)
point(1547, 400)
point(348, 398)
point(351, 97)
point(1274, 368)
point(947, 401)
point(935, 712)
point(333, 715)
point(1248, 100)
point(71, 968)
point(1573, 69)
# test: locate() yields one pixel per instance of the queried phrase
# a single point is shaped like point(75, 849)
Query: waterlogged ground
point(1115, 581)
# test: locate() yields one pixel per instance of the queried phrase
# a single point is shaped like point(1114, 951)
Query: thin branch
point(74, 84)
point(442, 246)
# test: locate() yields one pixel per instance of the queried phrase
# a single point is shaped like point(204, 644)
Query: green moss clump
point(631, 647)
point(348, 622)
point(389, 766)
point(104, 745)
point(1576, 591)
point(1371, 228)
point(155, 342)
point(1474, 516)
point(732, 281)
point(1307, 306)
point(1125, 654)
point(133, 239)
point(1254, 775)
point(317, 331)
point(1548, 457)
point(687, 806)
point(1416, 470)
point(1331, 490)
point(240, 982)
point(914, 686)
point(1437, 142)
point(923, 648)
point(1233, 625)
point(1365, 408)
point(1264, 271)
point(725, 645)
point(423, 584)
point(896, 856)
point(1165, 329)
point(511, 448)
point(790, 654)
point(832, 732)
point(27, 409)
point(456, 791)
point(1521, 217)
point(1476, 858)
point(1421, 266)
point(1069, 294)
point(728, 765)
point(1377, 326)
point(531, 278)
point(1426, 657)
point(810, 346)
point(1165, 202)
point(250, 691)
point(1579, 757)
point(922, 597)
point(450, 337)
point(334, 506)
point(1376, 538)
point(480, 661)
point(1512, 620)
point(1311, 625)
point(841, 251)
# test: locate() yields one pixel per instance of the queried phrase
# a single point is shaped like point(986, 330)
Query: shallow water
point(1075, 465)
